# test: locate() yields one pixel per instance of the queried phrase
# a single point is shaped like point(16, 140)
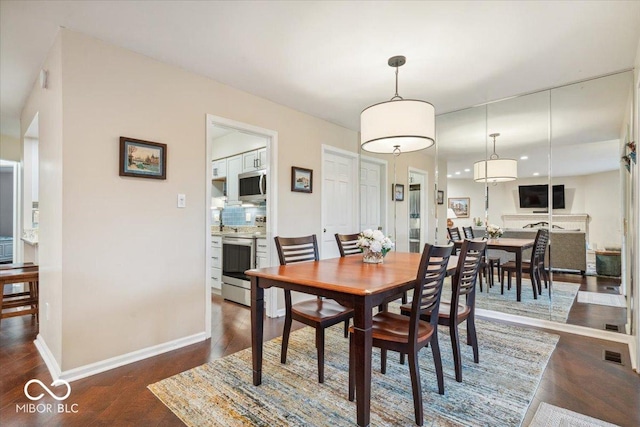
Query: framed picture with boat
point(142, 159)
point(301, 180)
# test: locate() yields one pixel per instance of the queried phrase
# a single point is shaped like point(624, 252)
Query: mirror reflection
point(567, 144)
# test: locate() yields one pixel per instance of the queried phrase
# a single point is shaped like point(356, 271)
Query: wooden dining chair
point(347, 244)
point(489, 263)
point(454, 233)
point(535, 267)
point(456, 311)
point(318, 313)
point(407, 335)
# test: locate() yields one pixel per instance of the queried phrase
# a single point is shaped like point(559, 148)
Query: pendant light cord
point(396, 96)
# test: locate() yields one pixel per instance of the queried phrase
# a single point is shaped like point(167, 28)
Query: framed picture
point(440, 197)
point(142, 159)
point(301, 180)
point(397, 192)
point(460, 206)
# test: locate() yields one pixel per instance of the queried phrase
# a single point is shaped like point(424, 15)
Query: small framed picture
point(301, 180)
point(460, 206)
point(143, 159)
point(440, 197)
point(397, 192)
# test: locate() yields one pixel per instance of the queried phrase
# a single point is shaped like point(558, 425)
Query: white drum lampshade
point(497, 170)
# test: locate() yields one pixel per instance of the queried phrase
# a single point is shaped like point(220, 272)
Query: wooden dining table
point(353, 284)
point(515, 246)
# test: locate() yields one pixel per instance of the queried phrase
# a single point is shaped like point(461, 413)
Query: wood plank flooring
point(576, 377)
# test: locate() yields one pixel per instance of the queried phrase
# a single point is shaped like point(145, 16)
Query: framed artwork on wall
point(397, 192)
point(142, 159)
point(440, 197)
point(301, 180)
point(460, 206)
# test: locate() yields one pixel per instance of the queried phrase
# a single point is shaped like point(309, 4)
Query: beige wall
point(10, 148)
point(598, 195)
point(133, 264)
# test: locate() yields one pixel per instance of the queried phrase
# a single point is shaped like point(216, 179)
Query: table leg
point(518, 275)
point(257, 331)
point(362, 347)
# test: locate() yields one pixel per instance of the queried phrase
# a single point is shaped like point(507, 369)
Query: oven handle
point(238, 241)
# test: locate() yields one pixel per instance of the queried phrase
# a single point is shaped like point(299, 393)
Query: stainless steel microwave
point(252, 186)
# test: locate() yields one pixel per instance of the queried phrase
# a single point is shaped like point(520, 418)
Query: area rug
point(563, 296)
point(495, 392)
point(552, 416)
point(612, 300)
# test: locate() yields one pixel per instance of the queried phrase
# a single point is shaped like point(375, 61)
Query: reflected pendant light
point(495, 169)
point(398, 125)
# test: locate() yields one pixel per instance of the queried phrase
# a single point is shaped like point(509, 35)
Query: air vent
point(612, 288)
point(613, 356)
point(611, 327)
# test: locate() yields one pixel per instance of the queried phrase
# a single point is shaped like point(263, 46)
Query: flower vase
point(370, 257)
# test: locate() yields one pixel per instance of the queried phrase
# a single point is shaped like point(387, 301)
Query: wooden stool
point(19, 273)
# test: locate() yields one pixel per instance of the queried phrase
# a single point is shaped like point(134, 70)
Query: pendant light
point(495, 169)
point(398, 125)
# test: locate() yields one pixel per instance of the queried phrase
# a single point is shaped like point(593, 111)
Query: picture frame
point(440, 197)
point(142, 159)
point(460, 206)
point(301, 180)
point(397, 192)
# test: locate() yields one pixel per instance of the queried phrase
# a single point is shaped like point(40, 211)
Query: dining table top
point(504, 243)
point(350, 275)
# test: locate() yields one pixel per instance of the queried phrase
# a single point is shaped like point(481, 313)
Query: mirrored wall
point(567, 143)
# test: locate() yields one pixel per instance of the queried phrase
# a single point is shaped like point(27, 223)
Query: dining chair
point(535, 267)
point(490, 262)
point(456, 311)
point(347, 244)
point(407, 335)
point(454, 233)
point(318, 313)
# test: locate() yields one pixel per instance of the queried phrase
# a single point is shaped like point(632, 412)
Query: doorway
point(417, 220)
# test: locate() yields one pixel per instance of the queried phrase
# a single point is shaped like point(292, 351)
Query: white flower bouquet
point(494, 231)
point(374, 245)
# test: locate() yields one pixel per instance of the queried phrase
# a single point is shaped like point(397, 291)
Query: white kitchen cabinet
point(261, 253)
point(216, 262)
point(219, 168)
point(234, 168)
point(254, 160)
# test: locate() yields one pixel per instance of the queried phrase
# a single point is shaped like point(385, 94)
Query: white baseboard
point(114, 362)
point(564, 327)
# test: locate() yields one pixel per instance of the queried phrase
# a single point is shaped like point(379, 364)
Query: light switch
point(182, 200)
point(247, 216)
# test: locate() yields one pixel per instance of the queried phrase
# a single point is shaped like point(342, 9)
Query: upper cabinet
point(219, 168)
point(254, 160)
point(234, 168)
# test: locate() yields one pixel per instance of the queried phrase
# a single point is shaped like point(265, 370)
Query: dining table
point(352, 283)
point(515, 246)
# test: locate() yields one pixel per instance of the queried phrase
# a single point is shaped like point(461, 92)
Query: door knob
point(324, 230)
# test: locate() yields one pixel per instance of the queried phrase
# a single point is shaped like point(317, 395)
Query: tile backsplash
point(237, 215)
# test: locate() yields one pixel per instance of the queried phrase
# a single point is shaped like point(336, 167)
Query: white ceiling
point(329, 59)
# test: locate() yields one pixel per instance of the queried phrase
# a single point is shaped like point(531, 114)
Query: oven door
point(238, 256)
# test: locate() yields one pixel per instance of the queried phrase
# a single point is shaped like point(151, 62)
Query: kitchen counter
point(242, 232)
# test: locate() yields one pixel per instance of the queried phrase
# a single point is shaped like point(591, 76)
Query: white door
point(339, 202)
point(371, 195)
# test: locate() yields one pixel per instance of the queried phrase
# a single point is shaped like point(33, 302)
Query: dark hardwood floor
point(576, 377)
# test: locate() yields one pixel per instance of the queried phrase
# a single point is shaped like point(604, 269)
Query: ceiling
point(329, 59)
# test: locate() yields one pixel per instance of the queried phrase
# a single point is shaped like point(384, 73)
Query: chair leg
point(480, 279)
point(472, 338)
point(287, 327)
point(508, 280)
point(320, 348)
point(502, 282)
point(404, 297)
point(455, 344)
point(402, 358)
point(346, 328)
point(351, 368)
point(416, 387)
point(383, 361)
point(437, 360)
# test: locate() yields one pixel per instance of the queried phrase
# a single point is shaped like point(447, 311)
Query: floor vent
point(611, 327)
point(613, 356)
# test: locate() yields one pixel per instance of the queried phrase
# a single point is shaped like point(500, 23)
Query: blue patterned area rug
point(495, 392)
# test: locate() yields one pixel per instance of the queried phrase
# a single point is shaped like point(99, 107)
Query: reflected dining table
point(515, 246)
point(353, 284)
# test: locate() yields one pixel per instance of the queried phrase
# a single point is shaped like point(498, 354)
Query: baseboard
point(281, 313)
point(564, 327)
point(114, 362)
point(47, 356)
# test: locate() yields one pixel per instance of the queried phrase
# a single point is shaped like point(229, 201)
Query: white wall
point(597, 195)
point(127, 266)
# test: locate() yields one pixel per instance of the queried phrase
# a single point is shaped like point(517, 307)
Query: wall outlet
point(247, 216)
point(182, 200)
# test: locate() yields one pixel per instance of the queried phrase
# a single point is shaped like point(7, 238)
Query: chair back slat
point(468, 232)
point(297, 249)
point(347, 244)
point(464, 283)
point(540, 246)
point(428, 286)
point(454, 233)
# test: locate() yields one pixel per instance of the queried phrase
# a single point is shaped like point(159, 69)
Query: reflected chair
point(318, 313)
point(535, 267)
point(453, 313)
point(347, 244)
point(490, 263)
point(408, 334)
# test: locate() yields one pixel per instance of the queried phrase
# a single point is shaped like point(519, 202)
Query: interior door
point(338, 199)
point(371, 196)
